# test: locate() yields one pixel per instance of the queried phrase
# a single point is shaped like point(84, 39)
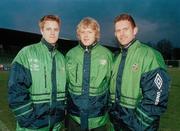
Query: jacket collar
point(128, 45)
point(87, 48)
point(48, 45)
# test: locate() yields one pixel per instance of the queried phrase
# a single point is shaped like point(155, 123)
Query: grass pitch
point(7, 120)
point(170, 121)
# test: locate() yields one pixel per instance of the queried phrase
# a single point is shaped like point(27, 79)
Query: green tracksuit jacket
point(141, 96)
point(37, 87)
point(88, 73)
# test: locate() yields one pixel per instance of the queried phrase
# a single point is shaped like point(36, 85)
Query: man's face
point(124, 32)
point(87, 36)
point(50, 32)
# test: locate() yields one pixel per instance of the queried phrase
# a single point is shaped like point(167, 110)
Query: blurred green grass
point(170, 121)
point(7, 119)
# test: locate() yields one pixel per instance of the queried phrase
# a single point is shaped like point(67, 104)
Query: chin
point(87, 44)
point(52, 43)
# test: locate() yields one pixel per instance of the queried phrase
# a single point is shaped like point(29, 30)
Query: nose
point(52, 32)
point(121, 32)
point(85, 34)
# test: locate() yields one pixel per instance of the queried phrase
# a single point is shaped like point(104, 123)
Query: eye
point(125, 29)
point(48, 29)
point(117, 31)
point(56, 29)
point(82, 32)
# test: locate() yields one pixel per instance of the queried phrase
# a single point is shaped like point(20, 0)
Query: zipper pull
point(86, 50)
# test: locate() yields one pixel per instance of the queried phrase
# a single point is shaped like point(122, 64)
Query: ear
point(41, 30)
point(135, 30)
point(115, 33)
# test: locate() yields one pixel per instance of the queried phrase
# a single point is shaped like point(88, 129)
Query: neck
point(50, 46)
point(129, 44)
point(88, 47)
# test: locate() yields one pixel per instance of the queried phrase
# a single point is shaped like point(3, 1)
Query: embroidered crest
point(62, 69)
point(103, 61)
point(34, 64)
point(135, 67)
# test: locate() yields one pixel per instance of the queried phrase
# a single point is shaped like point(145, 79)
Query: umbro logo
point(158, 81)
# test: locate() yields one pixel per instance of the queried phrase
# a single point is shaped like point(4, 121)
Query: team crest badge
point(135, 67)
point(103, 62)
point(34, 64)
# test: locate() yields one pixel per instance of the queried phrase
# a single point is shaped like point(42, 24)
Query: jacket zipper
point(45, 77)
point(51, 90)
point(76, 72)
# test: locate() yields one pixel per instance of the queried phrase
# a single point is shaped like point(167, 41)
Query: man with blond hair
point(88, 74)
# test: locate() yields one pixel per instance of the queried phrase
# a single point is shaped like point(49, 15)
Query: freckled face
point(87, 36)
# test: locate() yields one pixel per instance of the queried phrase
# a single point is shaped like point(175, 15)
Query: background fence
point(173, 63)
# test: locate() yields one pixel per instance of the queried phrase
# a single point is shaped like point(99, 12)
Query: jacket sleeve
point(146, 116)
point(155, 89)
point(154, 85)
point(18, 94)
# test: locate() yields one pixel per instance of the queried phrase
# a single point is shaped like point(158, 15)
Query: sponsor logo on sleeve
point(158, 81)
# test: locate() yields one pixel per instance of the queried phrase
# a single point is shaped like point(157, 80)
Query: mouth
point(86, 39)
point(51, 37)
point(122, 39)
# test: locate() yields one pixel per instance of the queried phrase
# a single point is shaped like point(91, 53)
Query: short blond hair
point(89, 22)
point(49, 18)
